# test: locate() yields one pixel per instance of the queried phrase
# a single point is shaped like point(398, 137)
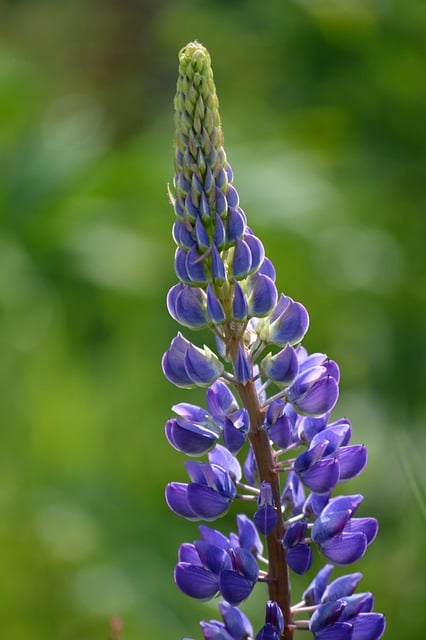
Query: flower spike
point(267, 400)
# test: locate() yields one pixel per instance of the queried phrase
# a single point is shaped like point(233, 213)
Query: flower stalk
point(278, 575)
point(268, 404)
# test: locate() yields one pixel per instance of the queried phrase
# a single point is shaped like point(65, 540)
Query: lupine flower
point(216, 564)
point(208, 495)
point(342, 538)
point(235, 625)
point(266, 397)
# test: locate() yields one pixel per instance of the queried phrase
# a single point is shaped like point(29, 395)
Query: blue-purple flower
point(210, 492)
point(342, 538)
point(216, 564)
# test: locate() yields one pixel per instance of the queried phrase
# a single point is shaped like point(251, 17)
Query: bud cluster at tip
point(216, 251)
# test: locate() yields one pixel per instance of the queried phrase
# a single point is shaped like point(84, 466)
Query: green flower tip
point(196, 102)
point(196, 55)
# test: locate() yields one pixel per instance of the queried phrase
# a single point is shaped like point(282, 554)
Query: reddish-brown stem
point(278, 579)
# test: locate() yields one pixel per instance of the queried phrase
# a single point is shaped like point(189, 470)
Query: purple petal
point(214, 630)
point(233, 437)
point(195, 266)
point(343, 503)
point(209, 181)
point(248, 536)
point(326, 527)
point(177, 500)
point(299, 558)
point(295, 534)
point(262, 297)
point(202, 366)
point(219, 479)
point(214, 537)
point(173, 363)
point(181, 183)
point(213, 558)
point(343, 422)
point(220, 400)
point(309, 427)
point(236, 222)
point(244, 562)
point(241, 262)
point(214, 307)
point(180, 265)
point(171, 299)
point(308, 458)
point(313, 594)
point(318, 399)
point(273, 411)
point(181, 235)
point(221, 203)
point(239, 304)
point(337, 631)
point(265, 496)
point(307, 361)
point(368, 526)
point(345, 548)
point(192, 439)
point(223, 458)
point(195, 581)
point(256, 250)
point(232, 196)
point(196, 471)
point(191, 412)
point(352, 460)
point(268, 632)
point(242, 366)
point(206, 502)
point(218, 269)
point(356, 604)
point(190, 209)
point(335, 435)
point(196, 188)
point(234, 587)
point(282, 367)
point(219, 238)
point(280, 432)
point(326, 615)
point(332, 369)
point(221, 180)
point(368, 626)
point(315, 504)
point(342, 586)
point(293, 494)
point(236, 621)
point(265, 519)
point(268, 269)
point(203, 240)
point(289, 322)
point(250, 468)
point(188, 553)
point(322, 476)
point(274, 616)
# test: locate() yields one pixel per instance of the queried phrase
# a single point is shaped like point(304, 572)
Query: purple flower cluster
point(267, 399)
point(217, 564)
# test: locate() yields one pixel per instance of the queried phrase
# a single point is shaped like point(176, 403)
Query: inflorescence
point(267, 399)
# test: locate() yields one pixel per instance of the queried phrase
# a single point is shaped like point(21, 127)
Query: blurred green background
point(323, 106)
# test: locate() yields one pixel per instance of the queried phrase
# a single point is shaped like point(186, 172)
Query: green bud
point(198, 128)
